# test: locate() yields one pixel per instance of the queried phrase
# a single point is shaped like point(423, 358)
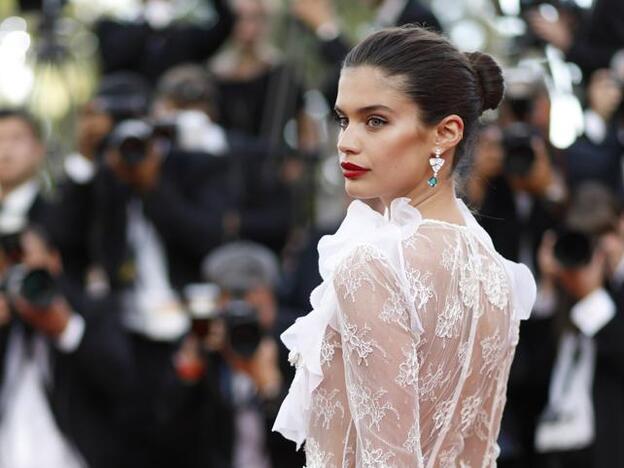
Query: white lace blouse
point(404, 359)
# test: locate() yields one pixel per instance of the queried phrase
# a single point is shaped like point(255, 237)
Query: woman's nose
point(348, 142)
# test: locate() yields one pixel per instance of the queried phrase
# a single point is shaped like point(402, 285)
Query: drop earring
point(436, 164)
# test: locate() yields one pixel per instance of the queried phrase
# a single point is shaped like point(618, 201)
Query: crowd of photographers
point(143, 291)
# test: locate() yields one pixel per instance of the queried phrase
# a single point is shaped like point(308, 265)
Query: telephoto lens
point(37, 286)
point(573, 249)
point(131, 138)
point(243, 328)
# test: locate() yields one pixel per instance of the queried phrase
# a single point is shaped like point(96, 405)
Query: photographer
point(120, 96)
point(584, 419)
point(142, 214)
point(237, 345)
point(259, 199)
point(514, 182)
point(65, 365)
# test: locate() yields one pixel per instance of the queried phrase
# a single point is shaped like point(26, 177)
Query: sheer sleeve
point(432, 394)
point(330, 442)
point(379, 354)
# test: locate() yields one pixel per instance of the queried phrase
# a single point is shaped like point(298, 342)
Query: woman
point(259, 92)
point(404, 360)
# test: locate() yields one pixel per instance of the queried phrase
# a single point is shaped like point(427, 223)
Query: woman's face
point(384, 146)
point(251, 22)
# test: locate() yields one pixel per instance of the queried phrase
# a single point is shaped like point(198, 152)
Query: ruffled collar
point(364, 225)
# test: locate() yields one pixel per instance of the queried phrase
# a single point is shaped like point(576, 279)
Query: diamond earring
point(436, 164)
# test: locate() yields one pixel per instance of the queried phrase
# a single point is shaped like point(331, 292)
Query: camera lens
point(519, 154)
point(573, 249)
point(133, 150)
point(38, 287)
point(243, 328)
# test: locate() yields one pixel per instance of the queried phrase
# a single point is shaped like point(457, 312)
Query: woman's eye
point(376, 122)
point(341, 121)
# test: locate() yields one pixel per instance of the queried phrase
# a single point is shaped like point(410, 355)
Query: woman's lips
point(352, 171)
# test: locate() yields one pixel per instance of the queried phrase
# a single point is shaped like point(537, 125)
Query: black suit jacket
point(586, 161)
point(89, 384)
point(186, 208)
point(608, 390)
point(136, 47)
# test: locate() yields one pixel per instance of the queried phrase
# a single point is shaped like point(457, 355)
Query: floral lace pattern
point(395, 397)
point(356, 341)
point(408, 369)
point(317, 458)
point(375, 458)
point(330, 342)
point(325, 406)
point(353, 273)
point(371, 405)
point(395, 310)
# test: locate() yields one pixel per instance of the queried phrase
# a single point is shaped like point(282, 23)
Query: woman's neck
point(438, 202)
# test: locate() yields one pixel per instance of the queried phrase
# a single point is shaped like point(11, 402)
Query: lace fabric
point(404, 360)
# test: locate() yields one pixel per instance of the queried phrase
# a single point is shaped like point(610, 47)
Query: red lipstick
point(352, 171)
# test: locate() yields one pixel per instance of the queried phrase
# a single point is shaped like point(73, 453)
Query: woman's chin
point(358, 190)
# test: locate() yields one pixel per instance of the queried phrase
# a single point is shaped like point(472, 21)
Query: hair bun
point(490, 78)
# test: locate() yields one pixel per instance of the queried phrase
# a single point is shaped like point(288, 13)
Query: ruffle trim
point(363, 226)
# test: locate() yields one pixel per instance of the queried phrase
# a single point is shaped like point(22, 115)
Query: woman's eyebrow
point(366, 109)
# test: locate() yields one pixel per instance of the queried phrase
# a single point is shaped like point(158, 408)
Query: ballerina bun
point(490, 78)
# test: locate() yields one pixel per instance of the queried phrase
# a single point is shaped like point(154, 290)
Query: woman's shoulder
point(440, 245)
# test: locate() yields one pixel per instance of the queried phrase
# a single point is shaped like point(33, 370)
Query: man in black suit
point(261, 201)
point(593, 321)
point(153, 213)
point(149, 48)
point(65, 365)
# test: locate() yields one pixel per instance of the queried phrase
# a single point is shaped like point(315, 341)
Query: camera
point(519, 153)
point(243, 328)
point(243, 332)
point(573, 249)
point(133, 137)
point(37, 286)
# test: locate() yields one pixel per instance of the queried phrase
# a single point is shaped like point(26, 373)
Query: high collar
point(15, 206)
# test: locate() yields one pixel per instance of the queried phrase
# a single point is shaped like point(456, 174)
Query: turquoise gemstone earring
point(436, 164)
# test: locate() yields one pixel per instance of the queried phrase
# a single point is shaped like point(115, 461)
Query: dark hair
point(439, 78)
point(25, 117)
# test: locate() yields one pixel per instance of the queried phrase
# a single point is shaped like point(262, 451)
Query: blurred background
point(167, 168)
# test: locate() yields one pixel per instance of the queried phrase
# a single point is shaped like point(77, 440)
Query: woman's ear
point(449, 132)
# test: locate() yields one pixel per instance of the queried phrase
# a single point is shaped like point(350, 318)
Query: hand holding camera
point(29, 286)
point(51, 320)
point(136, 151)
point(574, 260)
